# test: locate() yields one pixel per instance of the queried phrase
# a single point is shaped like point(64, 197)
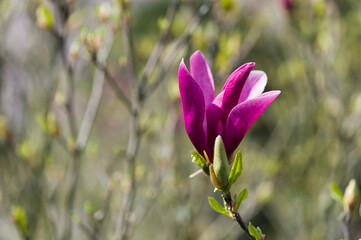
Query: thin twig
point(74, 180)
point(235, 215)
point(97, 226)
point(128, 43)
point(159, 48)
point(345, 219)
point(134, 133)
point(112, 82)
point(60, 34)
point(144, 207)
point(91, 110)
point(132, 150)
point(182, 40)
point(95, 96)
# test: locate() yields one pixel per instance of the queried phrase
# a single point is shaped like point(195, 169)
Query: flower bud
point(84, 36)
point(95, 41)
point(351, 197)
point(4, 130)
point(104, 11)
point(53, 126)
point(44, 17)
point(74, 51)
point(220, 164)
point(71, 145)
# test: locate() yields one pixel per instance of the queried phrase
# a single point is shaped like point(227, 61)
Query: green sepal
point(198, 159)
point(236, 169)
point(217, 207)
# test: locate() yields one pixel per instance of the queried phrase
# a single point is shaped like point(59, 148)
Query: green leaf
point(19, 215)
point(236, 169)
point(254, 231)
point(45, 18)
point(260, 234)
point(217, 207)
point(226, 4)
point(41, 121)
point(241, 197)
point(336, 193)
point(198, 159)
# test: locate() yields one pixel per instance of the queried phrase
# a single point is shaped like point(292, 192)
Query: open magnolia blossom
point(230, 114)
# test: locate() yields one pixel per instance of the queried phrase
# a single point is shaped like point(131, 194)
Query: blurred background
point(80, 161)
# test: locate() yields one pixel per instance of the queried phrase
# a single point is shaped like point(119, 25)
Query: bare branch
point(182, 40)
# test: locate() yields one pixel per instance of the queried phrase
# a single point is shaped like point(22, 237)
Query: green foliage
point(309, 133)
point(41, 121)
point(255, 232)
point(217, 207)
point(336, 193)
point(19, 215)
point(44, 15)
point(226, 4)
point(236, 169)
point(241, 197)
point(88, 208)
point(198, 159)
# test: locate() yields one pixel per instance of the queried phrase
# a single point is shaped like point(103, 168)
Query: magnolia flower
point(230, 114)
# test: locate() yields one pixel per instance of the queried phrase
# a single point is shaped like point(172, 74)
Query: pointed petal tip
point(197, 53)
point(182, 67)
point(271, 94)
point(251, 64)
point(247, 66)
point(276, 92)
point(197, 56)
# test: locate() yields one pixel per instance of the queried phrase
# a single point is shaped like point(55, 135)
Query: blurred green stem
point(345, 219)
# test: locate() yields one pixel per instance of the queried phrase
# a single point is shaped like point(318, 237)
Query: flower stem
point(235, 215)
point(346, 220)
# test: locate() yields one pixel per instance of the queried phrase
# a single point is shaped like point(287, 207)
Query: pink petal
point(233, 87)
point(242, 117)
point(201, 72)
point(214, 115)
point(193, 108)
point(254, 85)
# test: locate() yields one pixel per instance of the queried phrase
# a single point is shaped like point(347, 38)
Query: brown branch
point(235, 215)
